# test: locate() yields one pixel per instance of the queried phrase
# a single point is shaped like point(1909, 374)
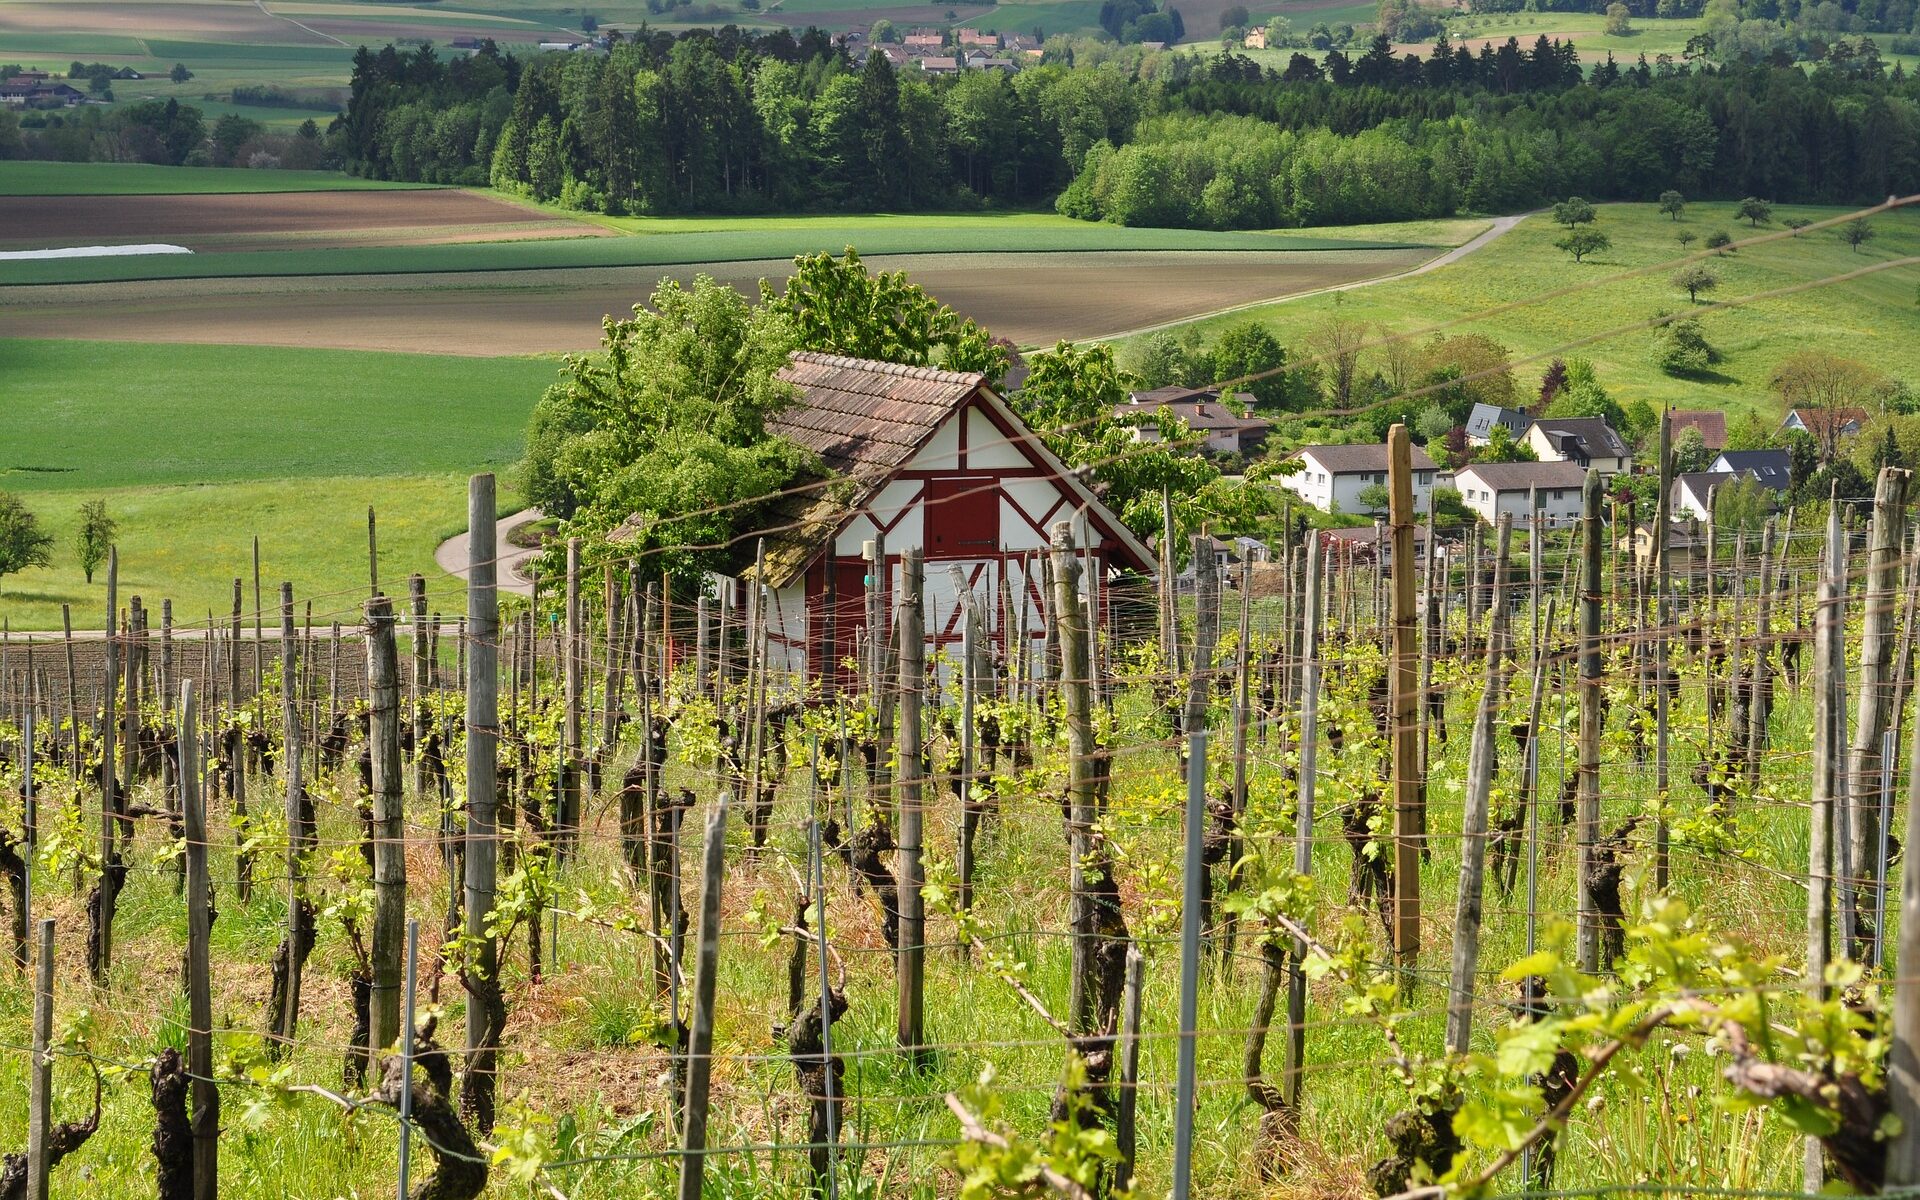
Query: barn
point(928, 458)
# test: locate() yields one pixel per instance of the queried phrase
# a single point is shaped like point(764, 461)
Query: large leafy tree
point(665, 428)
point(836, 306)
point(1069, 399)
point(23, 541)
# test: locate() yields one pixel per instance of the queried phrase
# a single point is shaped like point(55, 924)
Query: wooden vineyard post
point(204, 1111)
point(1903, 1062)
point(417, 602)
point(1864, 791)
point(699, 1064)
point(969, 751)
point(1402, 699)
point(1192, 873)
point(1080, 780)
point(1473, 844)
point(40, 1073)
point(912, 966)
point(568, 797)
point(1828, 618)
point(483, 750)
point(1295, 1066)
point(389, 845)
point(1587, 816)
point(1126, 1119)
point(298, 916)
point(1760, 690)
point(1242, 717)
point(100, 940)
point(1663, 648)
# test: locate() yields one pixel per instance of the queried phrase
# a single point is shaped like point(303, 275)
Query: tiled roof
point(1345, 460)
point(1711, 423)
point(1512, 477)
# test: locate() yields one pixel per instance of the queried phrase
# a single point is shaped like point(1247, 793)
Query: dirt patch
point(286, 220)
point(1035, 299)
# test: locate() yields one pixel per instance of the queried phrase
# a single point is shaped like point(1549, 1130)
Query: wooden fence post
point(699, 1065)
point(100, 940)
point(389, 833)
point(204, 1112)
point(1587, 816)
point(483, 751)
point(1663, 646)
point(1402, 700)
point(1473, 849)
point(40, 1076)
point(1294, 1070)
point(912, 965)
point(1865, 794)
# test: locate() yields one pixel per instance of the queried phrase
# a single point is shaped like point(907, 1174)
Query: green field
point(667, 242)
point(197, 449)
point(141, 179)
point(1873, 318)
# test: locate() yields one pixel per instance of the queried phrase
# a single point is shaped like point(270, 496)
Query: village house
point(976, 38)
point(1331, 478)
point(1686, 546)
point(1582, 441)
point(923, 42)
point(1484, 417)
point(1773, 468)
point(1845, 421)
point(1490, 489)
point(927, 458)
point(940, 64)
point(896, 56)
point(1693, 493)
point(1711, 423)
point(1204, 413)
point(37, 91)
point(1256, 38)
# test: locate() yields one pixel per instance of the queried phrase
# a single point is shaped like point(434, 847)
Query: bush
point(1681, 348)
point(1719, 239)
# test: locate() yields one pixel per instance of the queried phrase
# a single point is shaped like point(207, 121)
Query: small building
point(1693, 493)
point(564, 47)
point(1490, 489)
point(975, 37)
point(1582, 441)
point(927, 458)
point(994, 64)
point(924, 42)
point(1711, 423)
point(1826, 425)
point(1331, 478)
point(940, 64)
point(1686, 546)
point(1256, 38)
point(1773, 468)
point(1204, 413)
point(23, 91)
point(896, 56)
point(1483, 418)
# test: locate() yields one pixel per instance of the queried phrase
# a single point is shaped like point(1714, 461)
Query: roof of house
point(1711, 423)
point(1814, 419)
point(924, 39)
point(1592, 437)
point(1697, 482)
point(939, 62)
point(1484, 417)
point(1204, 411)
point(1519, 476)
point(1349, 460)
point(1774, 468)
point(866, 420)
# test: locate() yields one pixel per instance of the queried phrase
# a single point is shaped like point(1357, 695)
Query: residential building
point(1773, 468)
point(1711, 423)
point(940, 64)
point(1205, 413)
point(1582, 441)
point(1693, 493)
point(1256, 38)
point(926, 458)
point(25, 91)
point(924, 42)
point(974, 37)
point(1483, 418)
point(1490, 489)
point(1331, 478)
point(1686, 546)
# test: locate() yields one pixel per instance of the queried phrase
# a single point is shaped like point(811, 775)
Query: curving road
point(451, 557)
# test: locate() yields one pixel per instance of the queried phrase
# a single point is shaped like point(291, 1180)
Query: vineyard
point(1548, 860)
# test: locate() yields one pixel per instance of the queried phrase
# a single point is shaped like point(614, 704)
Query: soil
point(1034, 299)
point(274, 221)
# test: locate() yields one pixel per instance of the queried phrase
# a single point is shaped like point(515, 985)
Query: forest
point(782, 124)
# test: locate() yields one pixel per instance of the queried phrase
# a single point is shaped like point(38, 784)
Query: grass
point(141, 179)
point(1873, 318)
point(690, 240)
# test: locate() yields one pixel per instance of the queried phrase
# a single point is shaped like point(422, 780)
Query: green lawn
point(1874, 318)
point(140, 179)
point(667, 242)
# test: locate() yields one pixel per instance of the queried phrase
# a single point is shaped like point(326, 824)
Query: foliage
point(23, 543)
point(665, 428)
point(1672, 203)
point(1619, 23)
point(95, 535)
point(1467, 369)
point(1680, 347)
point(1719, 239)
point(1690, 451)
point(1754, 211)
point(1502, 447)
point(1695, 278)
point(835, 306)
point(1857, 233)
point(1583, 396)
point(1573, 211)
point(1742, 504)
point(1582, 242)
point(1826, 388)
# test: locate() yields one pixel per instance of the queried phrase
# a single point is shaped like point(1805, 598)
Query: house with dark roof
point(1205, 414)
point(1773, 468)
point(1483, 418)
point(1693, 493)
point(1490, 489)
point(940, 64)
point(1711, 423)
point(1582, 441)
point(917, 457)
point(1331, 478)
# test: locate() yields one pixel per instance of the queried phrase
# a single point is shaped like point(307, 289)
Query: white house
point(1484, 417)
point(1582, 441)
point(1336, 475)
point(1490, 489)
point(1773, 468)
point(1693, 492)
point(925, 458)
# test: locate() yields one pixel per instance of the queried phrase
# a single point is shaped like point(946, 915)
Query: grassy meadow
point(1512, 280)
point(32, 178)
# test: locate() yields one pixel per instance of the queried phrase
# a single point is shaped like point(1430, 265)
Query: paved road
point(1499, 227)
point(452, 554)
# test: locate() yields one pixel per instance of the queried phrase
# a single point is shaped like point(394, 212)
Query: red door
point(837, 639)
point(962, 517)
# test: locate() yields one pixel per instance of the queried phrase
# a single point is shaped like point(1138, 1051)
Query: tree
point(1573, 211)
point(883, 31)
point(1584, 397)
point(1467, 369)
point(1742, 505)
point(1695, 278)
point(23, 543)
point(1336, 343)
point(1619, 23)
point(1373, 498)
point(1690, 451)
point(1754, 210)
point(1680, 347)
point(663, 432)
point(835, 306)
point(1582, 242)
point(95, 535)
point(1828, 390)
point(1502, 448)
point(1796, 224)
point(1672, 203)
point(1234, 17)
point(1720, 239)
point(1857, 232)
point(1251, 349)
point(179, 74)
point(1433, 423)
point(1686, 238)
point(1449, 508)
